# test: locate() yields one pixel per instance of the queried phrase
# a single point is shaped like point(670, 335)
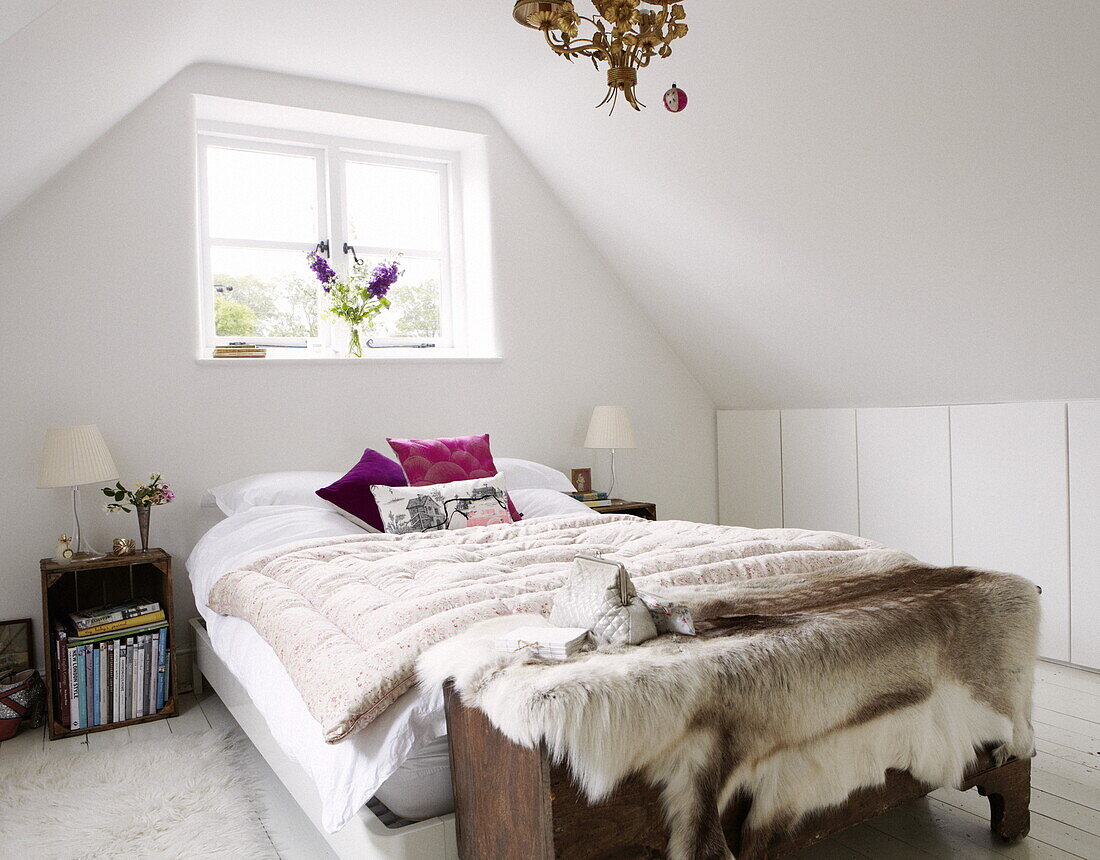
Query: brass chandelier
point(624, 36)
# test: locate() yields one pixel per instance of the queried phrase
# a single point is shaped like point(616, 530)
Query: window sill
point(389, 356)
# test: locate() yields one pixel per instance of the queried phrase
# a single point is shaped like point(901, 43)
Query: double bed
point(311, 628)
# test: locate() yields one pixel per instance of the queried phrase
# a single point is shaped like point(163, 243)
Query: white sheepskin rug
point(185, 796)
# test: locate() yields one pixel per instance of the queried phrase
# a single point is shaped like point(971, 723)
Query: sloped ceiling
point(866, 201)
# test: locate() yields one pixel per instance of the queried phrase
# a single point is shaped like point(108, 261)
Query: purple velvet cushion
point(352, 492)
point(441, 461)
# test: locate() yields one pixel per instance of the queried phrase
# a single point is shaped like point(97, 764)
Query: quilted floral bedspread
point(349, 616)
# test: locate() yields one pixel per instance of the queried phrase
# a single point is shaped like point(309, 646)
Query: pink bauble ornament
point(676, 99)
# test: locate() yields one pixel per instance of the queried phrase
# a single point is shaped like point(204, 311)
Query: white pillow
point(529, 475)
point(541, 502)
point(272, 488)
point(441, 507)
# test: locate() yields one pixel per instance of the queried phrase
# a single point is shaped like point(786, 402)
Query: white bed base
point(362, 838)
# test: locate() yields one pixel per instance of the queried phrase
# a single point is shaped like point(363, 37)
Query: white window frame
point(332, 155)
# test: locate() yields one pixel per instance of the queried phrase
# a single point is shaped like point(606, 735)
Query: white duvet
point(349, 773)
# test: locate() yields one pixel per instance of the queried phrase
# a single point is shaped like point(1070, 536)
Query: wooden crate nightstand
point(87, 583)
point(645, 510)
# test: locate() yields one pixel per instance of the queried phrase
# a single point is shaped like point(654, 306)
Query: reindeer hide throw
point(802, 688)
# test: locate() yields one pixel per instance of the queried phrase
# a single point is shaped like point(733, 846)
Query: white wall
point(99, 317)
point(866, 203)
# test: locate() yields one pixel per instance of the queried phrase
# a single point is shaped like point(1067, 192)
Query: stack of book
point(113, 663)
point(240, 351)
point(589, 497)
point(549, 643)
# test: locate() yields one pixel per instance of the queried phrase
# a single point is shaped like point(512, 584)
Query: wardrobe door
point(750, 469)
point(1010, 499)
point(905, 480)
point(819, 470)
point(1084, 533)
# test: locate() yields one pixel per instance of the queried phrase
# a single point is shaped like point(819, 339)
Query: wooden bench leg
point(1009, 791)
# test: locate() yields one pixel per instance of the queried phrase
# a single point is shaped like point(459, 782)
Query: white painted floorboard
point(948, 824)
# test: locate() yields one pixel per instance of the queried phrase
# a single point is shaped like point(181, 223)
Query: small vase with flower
point(143, 498)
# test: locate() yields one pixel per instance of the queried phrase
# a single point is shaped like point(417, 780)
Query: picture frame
point(16, 646)
point(581, 480)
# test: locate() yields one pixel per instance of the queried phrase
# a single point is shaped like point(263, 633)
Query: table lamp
point(610, 427)
point(73, 456)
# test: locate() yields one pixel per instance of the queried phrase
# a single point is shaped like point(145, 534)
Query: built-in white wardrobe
point(1007, 486)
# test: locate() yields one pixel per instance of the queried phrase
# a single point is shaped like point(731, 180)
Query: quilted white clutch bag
point(600, 596)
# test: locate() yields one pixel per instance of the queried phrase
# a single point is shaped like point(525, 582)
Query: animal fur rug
point(183, 796)
point(799, 690)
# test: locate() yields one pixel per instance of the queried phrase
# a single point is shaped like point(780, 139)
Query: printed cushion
point(441, 461)
point(352, 493)
point(443, 507)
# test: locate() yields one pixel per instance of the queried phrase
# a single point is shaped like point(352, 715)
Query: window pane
point(393, 207)
point(415, 298)
point(263, 293)
point(262, 195)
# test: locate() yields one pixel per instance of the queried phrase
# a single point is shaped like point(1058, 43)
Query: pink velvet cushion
point(441, 461)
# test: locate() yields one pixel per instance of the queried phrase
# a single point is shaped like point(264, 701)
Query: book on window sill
point(240, 352)
point(549, 643)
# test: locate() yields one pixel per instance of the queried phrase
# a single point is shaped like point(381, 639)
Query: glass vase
point(355, 344)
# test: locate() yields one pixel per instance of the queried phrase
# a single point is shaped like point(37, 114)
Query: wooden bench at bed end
point(509, 798)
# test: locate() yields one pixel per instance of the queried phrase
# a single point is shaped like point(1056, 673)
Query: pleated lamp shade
point(75, 455)
point(610, 427)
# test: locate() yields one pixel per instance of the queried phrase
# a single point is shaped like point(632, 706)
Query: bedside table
point(88, 583)
point(645, 510)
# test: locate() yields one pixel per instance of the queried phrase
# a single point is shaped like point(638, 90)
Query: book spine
point(151, 674)
point(104, 688)
point(74, 689)
point(62, 678)
point(124, 623)
point(95, 686)
point(80, 622)
point(162, 696)
point(139, 674)
point(139, 678)
point(145, 675)
point(120, 681)
point(89, 687)
point(119, 662)
point(82, 701)
point(141, 609)
point(128, 679)
point(108, 688)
